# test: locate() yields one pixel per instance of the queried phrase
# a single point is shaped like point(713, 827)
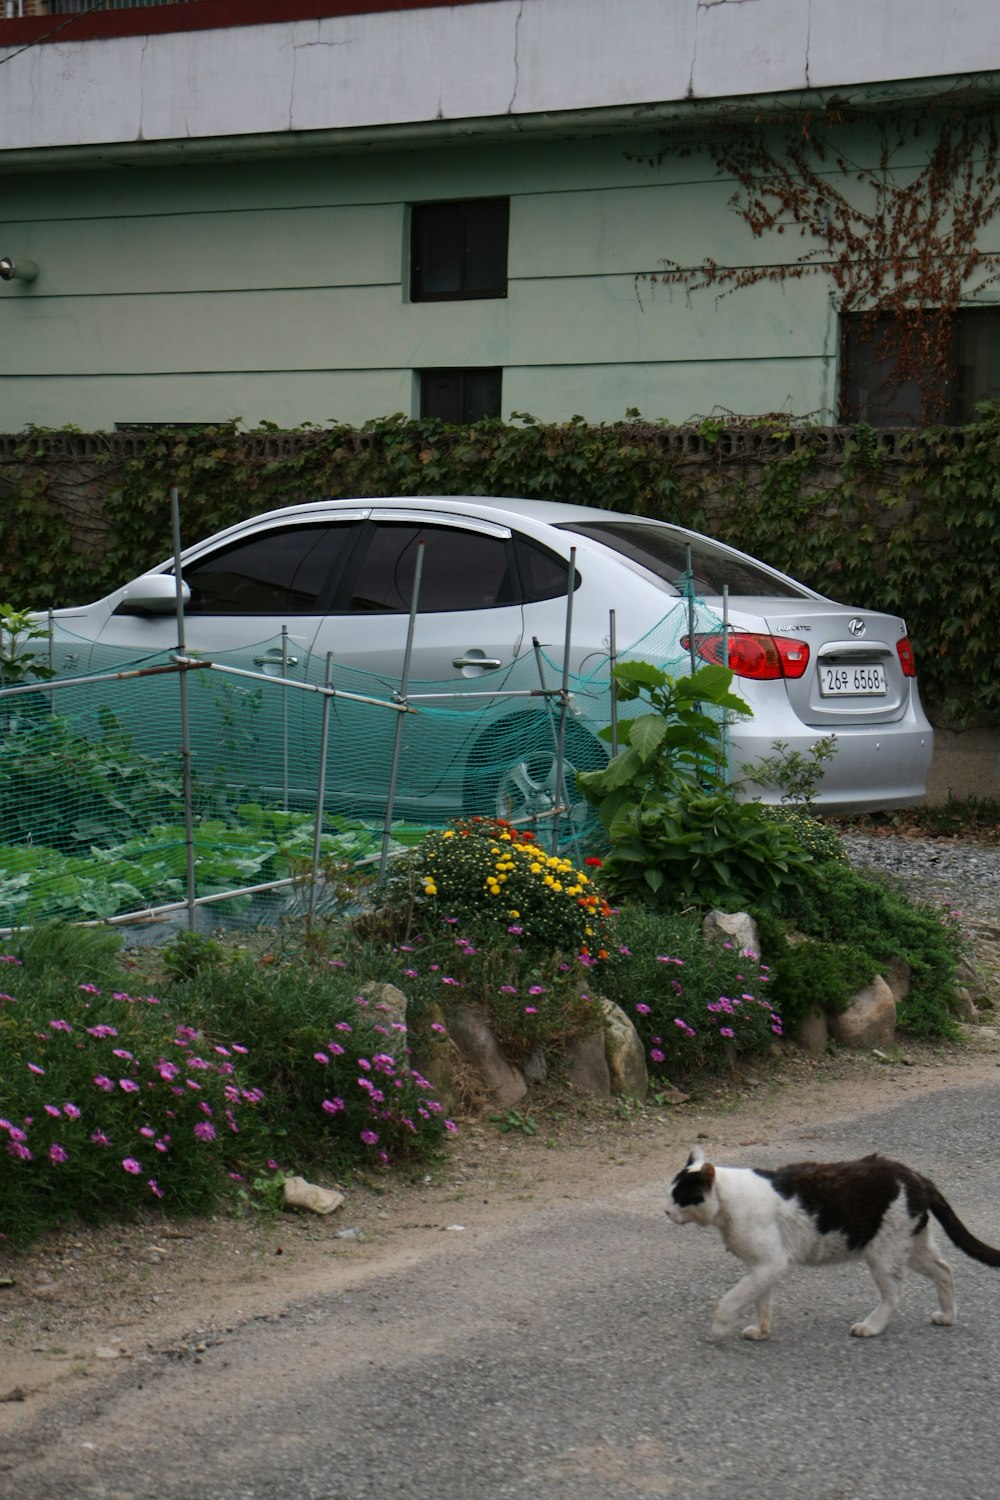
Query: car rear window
point(664, 552)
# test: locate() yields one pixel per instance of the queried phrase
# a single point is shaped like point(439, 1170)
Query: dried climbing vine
point(900, 243)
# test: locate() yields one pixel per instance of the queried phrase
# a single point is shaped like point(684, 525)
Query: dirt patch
point(87, 1298)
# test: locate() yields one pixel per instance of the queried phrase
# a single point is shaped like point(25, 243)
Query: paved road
point(568, 1357)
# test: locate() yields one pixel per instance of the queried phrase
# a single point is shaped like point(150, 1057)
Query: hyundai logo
point(856, 627)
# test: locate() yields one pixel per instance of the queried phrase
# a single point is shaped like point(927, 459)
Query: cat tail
point(957, 1232)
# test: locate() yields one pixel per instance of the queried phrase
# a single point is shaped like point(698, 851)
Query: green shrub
point(874, 917)
point(112, 1103)
point(695, 1004)
point(332, 1062)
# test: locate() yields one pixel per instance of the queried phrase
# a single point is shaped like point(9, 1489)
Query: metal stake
point(324, 744)
point(400, 696)
point(186, 779)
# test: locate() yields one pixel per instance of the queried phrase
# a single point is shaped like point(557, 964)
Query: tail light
point(751, 654)
point(907, 661)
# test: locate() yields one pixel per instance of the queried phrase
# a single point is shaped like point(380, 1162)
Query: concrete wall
point(965, 764)
point(501, 58)
point(277, 290)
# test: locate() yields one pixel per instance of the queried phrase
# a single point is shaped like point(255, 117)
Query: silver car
point(494, 617)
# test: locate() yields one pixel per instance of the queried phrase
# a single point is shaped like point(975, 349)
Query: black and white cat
point(815, 1213)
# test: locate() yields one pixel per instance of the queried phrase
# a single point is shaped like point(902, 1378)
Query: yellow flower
point(449, 833)
point(514, 915)
point(536, 868)
point(430, 889)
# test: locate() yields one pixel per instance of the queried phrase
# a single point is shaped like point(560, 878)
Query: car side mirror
point(152, 594)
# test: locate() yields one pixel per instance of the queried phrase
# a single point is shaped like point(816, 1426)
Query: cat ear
point(708, 1172)
point(695, 1159)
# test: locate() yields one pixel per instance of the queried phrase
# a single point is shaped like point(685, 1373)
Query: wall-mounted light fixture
point(18, 270)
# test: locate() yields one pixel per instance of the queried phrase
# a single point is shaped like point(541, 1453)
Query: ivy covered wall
point(903, 521)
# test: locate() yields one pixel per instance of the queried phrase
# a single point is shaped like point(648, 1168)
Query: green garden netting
point(285, 783)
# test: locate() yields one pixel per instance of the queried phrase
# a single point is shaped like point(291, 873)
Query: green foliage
point(796, 774)
point(696, 1005)
point(677, 835)
point(815, 973)
point(874, 924)
point(111, 1103)
point(73, 791)
point(19, 661)
point(118, 1099)
point(911, 525)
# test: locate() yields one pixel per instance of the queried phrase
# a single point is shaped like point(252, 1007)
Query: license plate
point(862, 681)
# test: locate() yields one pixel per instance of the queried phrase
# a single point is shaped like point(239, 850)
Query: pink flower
point(57, 1153)
point(320, 1057)
point(726, 1031)
point(99, 1138)
point(60, 1026)
point(130, 1164)
point(128, 1086)
point(369, 1137)
point(333, 1106)
point(204, 1131)
point(53, 1110)
point(154, 1187)
point(34, 1068)
point(89, 989)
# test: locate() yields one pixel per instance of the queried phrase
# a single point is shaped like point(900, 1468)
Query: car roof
point(550, 511)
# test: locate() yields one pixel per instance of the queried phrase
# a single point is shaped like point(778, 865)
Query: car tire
point(511, 772)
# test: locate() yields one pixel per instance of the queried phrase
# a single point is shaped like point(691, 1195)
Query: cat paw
point(943, 1319)
point(862, 1331)
point(721, 1331)
point(756, 1333)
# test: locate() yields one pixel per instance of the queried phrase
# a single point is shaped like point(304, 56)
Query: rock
point(432, 1055)
point(536, 1069)
point(965, 1007)
point(897, 977)
point(737, 928)
point(392, 1004)
point(870, 1019)
point(587, 1065)
point(297, 1193)
point(812, 1033)
point(971, 981)
point(470, 1031)
point(624, 1052)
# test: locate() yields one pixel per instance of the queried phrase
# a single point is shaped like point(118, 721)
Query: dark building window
point(460, 395)
point(871, 390)
point(458, 250)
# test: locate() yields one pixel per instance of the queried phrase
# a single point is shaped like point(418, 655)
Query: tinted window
point(458, 249)
point(543, 575)
point(460, 395)
point(664, 552)
point(461, 570)
point(283, 571)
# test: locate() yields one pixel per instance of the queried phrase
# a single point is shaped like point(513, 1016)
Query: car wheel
point(512, 772)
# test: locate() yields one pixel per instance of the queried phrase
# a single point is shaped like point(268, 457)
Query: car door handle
point(492, 662)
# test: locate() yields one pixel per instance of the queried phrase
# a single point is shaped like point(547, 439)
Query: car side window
point(462, 569)
point(283, 571)
point(543, 575)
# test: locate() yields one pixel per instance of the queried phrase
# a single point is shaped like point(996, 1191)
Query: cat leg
point(755, 1287)
point(925, 1259)
point(889, 1280)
